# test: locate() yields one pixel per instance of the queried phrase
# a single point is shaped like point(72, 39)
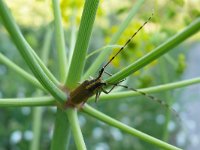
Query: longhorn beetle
point(79, 96)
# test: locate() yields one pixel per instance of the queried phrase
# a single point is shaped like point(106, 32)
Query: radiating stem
point(104, 54)
point(83, 38)
point(32, 101)
point(20, 71)
point(108, 120)
point(27, 54)
point(60, 41)
point(61, 134)
point(157, 52)
point(78, 137)
point(37, 111)
point(159, 88)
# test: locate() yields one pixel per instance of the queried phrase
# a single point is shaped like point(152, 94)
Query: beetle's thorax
point(94, 84)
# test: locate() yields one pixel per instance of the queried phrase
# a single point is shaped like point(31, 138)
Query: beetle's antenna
point(155, 99)
point(129, 40)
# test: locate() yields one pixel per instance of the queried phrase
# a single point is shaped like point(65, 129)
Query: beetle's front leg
point(107, 92)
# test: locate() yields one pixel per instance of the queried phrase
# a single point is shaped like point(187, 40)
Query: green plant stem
point(27, 54)
point(32, 101)
point(78, 62)
point(50, 101)
point(84, 33)
point(78, 137)
point(21, 72)
point(36, 128)
point(45, 69)
point(104, 54)
point(107, 47)
point(164, 78)
point(108, 120)
point(60, 40)
point(171, 61)
point(37, 111)
point(61, 135)
point(72, 35)
point(157, 52)
point(61, 132)
point(47, 46)
point(159, 88)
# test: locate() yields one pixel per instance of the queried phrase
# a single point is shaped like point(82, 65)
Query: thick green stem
point(108, 120)
point(37, 111)
point(60, 41)
point(157, 52)
point(104, 54)
point(61, 133)
point(78, 62)
point(62, 129)
point(27, 54)
point(50, 101)
point(84, 33)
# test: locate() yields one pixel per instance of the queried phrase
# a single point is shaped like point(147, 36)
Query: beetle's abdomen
point(83, 92)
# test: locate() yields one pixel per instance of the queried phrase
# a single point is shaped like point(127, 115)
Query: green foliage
point(113, 25)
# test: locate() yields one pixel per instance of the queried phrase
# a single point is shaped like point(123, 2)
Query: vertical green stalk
point(61, 133)
point(60, 41)
point(168, 98)
point(37, 111)
point(37, 117)
point(62, 129)
point(76, 130)
point(78, 62)
point(84, 33)
point(72, 37)
point(104, 54)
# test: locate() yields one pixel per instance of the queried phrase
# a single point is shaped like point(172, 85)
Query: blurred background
point(35, 17)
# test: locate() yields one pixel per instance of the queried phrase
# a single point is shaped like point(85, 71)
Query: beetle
point(79, 96)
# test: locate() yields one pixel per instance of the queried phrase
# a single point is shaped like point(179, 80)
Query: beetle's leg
point(113, 86)
point(97, 96)
point(107, 92)
point(107, 73)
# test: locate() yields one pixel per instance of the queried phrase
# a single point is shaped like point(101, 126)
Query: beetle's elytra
point(84, 91)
